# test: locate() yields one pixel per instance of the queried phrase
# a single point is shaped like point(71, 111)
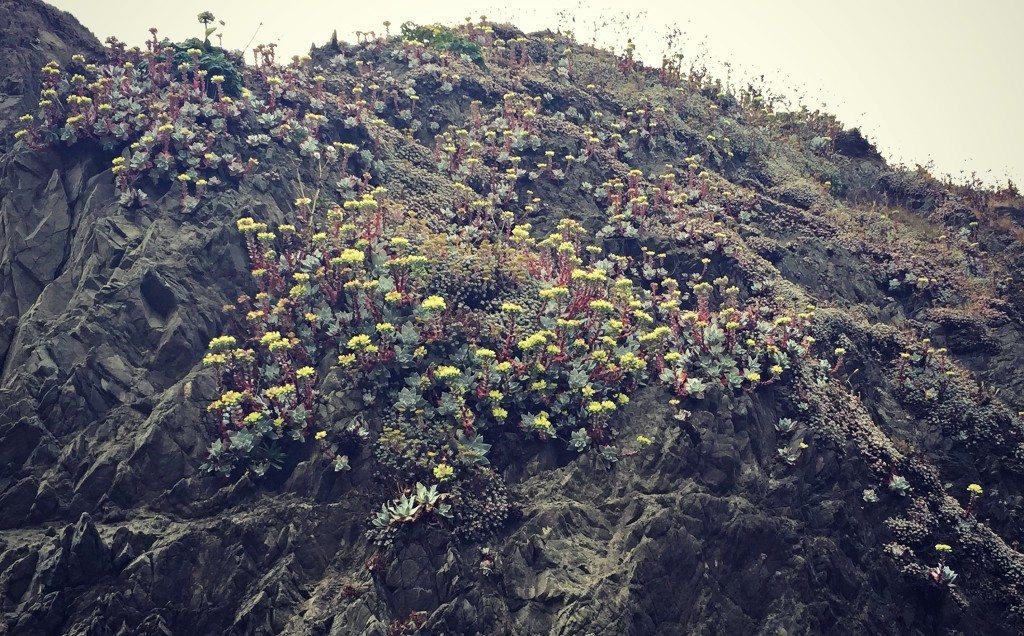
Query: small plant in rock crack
point(420, 503)
point(899, 485)
point(785, 425)
point(942, 574)
point(974, 492)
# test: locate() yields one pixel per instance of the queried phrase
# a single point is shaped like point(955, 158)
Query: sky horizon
point(930, 82)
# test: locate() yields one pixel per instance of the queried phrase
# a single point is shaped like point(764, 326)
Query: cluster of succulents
point(455, 332)
point(442, 38)
point(942, 395)
point(188, 115)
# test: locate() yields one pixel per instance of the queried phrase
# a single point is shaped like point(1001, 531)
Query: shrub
point(443, 39)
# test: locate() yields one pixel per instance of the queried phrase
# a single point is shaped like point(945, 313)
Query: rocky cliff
point(875, 486)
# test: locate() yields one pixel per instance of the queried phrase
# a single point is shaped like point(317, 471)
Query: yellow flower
point(359, 341)
point(630, 362)
point(534, 341)
point(499, 413)
point(222, 342)
point(305, 372)
point(943, 548)
point(320, 435)
point(270, 337)
point(554, 292)
point(446, 372)
point(231, 398)
point(643, 440)
point(542, 422)
point(280, 344)
point(443, 472)
point(975, 489)
point(214, 358)
point(434, 303)
point(351, 257)
point(279, 391)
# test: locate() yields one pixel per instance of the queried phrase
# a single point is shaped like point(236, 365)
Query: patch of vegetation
point(442, 38)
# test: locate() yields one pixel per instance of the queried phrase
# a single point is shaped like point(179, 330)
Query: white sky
point(935, 81)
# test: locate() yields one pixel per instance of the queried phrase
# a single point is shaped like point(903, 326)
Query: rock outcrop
point(109, 526)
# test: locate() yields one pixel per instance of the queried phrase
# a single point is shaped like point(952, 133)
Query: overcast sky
point(938, 81)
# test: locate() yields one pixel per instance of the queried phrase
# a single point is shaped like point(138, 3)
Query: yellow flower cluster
point(596, 407)
point(656, 334)
point(222, 342)
point(443, 472)
point(359, 341)
point(434, 303)
point(554, 292)
point(447, 372)
point(228, 399)
point(589, 276)
point(277, 392)
point(535, 340)
point(631, 362)
point(214, 358)
point(247, 225)
point(349, 257)
point(274, 341)
point(542, 422)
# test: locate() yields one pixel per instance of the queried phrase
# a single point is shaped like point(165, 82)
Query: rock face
point(109, 527)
